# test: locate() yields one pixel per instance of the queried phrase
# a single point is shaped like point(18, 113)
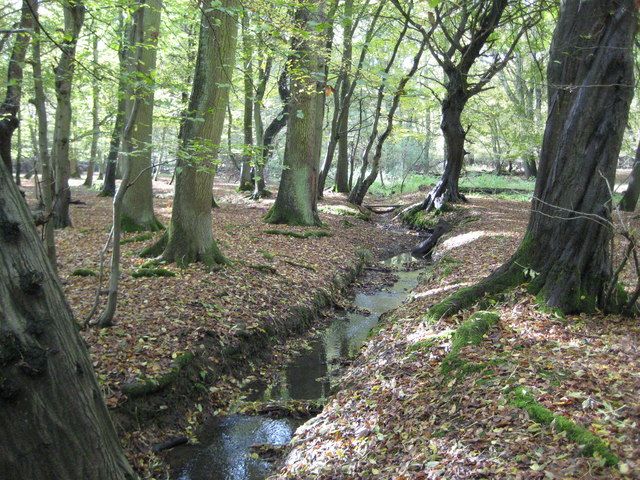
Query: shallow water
point(306, 377)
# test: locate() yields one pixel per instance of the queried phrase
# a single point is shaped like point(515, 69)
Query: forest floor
point(398, 415)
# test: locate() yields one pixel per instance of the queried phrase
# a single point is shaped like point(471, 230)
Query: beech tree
point(54, 422)
point(189, 237)
point(566, 251)
point(296, 202)
point(137, 206)
point(466, 34)
point(630, 198)
point(10, 107)
point(74, 12)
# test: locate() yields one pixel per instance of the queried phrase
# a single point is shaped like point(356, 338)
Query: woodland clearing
point(398, 415)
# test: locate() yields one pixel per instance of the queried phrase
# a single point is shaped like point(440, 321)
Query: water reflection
point(227, 454)
point(306, 377)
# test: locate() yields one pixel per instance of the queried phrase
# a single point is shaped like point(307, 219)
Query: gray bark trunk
point(73, 20)
point(54, 422)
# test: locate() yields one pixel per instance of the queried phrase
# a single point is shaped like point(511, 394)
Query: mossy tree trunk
point(189, 237)
point(54, 422)
point(74, 11)
point(137, 207)
point(296, 203)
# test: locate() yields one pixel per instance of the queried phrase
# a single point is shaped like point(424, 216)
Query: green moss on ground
point(470, 332)
point(148, 386)
point(83, 272)
point(129, 225)
point(591, 444)
point(138, 238)
point(152, 272)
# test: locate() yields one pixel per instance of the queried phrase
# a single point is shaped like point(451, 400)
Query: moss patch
point(591, 444)
point(470, 332)
point(138, 238)
point(152, 272)
point(83, 272)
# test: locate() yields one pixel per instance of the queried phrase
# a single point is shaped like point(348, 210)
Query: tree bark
point(10, 107)
point(246, 182)
point(630, 198)
point(137, 207)
point(73, 19)
point(266, 145)
point(95, 111)
point(189, 237)
point(296, 202)
point(54, 422)
point(111, 163)
point(46, 180)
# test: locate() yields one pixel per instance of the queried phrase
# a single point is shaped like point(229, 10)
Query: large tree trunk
point(630, 198)
point(189, 236)
point(567, 246)
point(10, 108)
point(566, 253)
point(296, 203)
point(54, 422)
point(73, 19)
point(137, 207)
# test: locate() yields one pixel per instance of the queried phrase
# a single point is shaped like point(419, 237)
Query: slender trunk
point(111, 163)
point(276, 125)
point(246, 182)
point(46, 186)
point(73, 19)
point(630, 198)
point(95, 111)
point(10, 107)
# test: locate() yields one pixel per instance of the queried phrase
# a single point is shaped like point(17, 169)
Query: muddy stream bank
point(225, 451)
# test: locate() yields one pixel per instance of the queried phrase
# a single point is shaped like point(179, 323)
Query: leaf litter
point(397, 415)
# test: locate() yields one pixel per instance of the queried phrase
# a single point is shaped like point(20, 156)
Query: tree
point(466, 35)
point(565, 254)
point(137, 207)
point(74, 11)
point(246, 182)
point(296, 202)
point(47, 179)
point(54, 422)
point(10, 107)
point(189, 237)
point(95, 111)
point(630, 198)
point(109, 185)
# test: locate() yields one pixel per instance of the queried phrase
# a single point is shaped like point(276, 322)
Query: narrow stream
point(226, 454)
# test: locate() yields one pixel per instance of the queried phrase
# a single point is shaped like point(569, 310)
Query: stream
point(224, 453)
